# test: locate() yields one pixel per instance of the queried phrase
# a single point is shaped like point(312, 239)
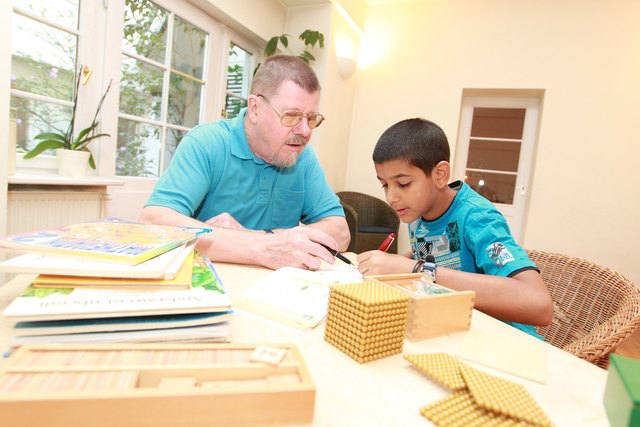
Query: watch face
point(429, 268)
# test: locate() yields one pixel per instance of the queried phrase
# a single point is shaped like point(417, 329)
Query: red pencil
point(387, 242)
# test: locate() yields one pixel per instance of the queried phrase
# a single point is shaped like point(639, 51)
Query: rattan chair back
point(595, 308)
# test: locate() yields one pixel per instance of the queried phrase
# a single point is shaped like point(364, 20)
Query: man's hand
point(296, 247)
point(225, 220)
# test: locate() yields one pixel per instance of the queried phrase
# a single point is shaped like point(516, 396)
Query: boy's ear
point(441, 174)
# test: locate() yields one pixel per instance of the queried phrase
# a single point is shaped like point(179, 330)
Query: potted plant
point(73, 141)
point(310, 38)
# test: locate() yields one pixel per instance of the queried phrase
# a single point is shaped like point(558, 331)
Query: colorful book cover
point(107, 240)
point(207, 295)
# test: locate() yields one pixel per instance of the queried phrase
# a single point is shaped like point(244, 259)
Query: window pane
point(238, 79)
point(498, 188)
point(233, 106)
point(184, 101)
point(189, 46)
point(174, 136)
point(495, 155)
point(33, 117)
point(138, 149)
point(62, 12)
point(145, 29)
point(498, 122)
point(42, 59)
point(140, 89)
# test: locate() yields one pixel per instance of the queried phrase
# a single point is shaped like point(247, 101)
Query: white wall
point(582, 53)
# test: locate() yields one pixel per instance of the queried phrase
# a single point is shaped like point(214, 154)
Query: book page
point(163, 266)
point(295, 296)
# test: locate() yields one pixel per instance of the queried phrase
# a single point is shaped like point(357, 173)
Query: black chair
point(370, 221)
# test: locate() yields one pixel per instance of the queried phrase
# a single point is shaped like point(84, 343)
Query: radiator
point(35, 210)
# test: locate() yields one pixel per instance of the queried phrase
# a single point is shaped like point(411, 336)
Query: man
point(253, 181)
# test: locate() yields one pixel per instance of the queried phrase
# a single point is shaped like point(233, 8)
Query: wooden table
point(389, 392)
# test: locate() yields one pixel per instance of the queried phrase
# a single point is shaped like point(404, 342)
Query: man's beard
point(292, 157)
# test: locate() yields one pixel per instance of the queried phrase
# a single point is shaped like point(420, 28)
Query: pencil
point(337, 254)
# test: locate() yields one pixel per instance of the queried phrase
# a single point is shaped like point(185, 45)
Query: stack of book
point(115, 281)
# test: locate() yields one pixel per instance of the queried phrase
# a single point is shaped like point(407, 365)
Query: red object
point(387, 242)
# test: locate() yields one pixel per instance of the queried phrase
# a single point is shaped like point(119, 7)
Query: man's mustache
point(297, 140)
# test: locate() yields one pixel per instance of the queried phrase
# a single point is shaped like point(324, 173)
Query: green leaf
point(307, 57)
point(271, 46)
point(92, 162)
point(51, 135)
point(311, 38)
point(48, 144)
point(284, 39)
point(81, 145)
point(82, 135)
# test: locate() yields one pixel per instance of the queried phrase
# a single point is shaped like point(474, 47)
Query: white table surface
point(389, 392)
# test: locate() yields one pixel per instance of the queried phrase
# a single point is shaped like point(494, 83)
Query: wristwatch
point(429, 267)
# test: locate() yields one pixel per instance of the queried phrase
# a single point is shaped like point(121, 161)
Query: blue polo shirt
point(214, 171)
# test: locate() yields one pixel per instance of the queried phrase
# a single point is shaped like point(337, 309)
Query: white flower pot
point(72, 163)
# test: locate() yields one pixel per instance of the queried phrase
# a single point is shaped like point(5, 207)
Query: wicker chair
point(370, 221)
point(595, 308)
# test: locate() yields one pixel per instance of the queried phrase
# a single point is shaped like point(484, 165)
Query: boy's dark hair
point(418, 141)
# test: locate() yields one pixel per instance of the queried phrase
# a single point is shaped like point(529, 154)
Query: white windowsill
point(35, 179)
point(42, 170)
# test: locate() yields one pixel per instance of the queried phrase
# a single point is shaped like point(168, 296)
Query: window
point(238, 77)
point(161, 86)
point(45, 39)
point(171, 65)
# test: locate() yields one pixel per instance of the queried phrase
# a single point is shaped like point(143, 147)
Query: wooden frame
point(431, 315)
point(153, 384)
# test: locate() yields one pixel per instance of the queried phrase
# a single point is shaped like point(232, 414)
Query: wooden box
point(153, 384)
point(622, 392)
point(431, 315)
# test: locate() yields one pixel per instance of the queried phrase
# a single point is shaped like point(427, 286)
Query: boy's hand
point(378, 262)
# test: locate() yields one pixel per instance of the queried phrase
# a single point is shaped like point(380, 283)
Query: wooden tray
point(431, 315)
point(153, 384)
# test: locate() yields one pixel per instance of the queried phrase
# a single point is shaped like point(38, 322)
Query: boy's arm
point(522, 298)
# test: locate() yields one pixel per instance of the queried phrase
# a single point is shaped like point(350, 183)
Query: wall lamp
point(346, 66)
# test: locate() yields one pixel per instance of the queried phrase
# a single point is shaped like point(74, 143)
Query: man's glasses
point(291, 118)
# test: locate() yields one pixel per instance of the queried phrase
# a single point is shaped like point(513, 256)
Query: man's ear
point(441, 174)
point(252, 108)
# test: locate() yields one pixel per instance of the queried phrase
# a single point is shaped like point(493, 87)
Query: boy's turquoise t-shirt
point(472, 236)
point(214, 171)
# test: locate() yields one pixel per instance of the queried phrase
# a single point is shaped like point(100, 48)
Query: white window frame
point(90, 32)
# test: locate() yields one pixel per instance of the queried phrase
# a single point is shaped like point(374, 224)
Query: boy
point(457, 236)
